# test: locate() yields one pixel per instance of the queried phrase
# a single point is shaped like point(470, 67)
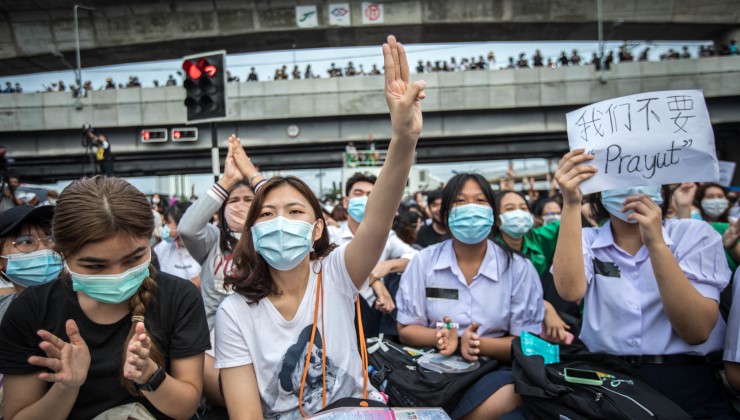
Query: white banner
point(726, 172)
point(339, 14)
point(650, 138)
point(372, 13)
point(306, 17)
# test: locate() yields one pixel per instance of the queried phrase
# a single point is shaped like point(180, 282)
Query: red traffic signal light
point(153, 135)
point(205, 86)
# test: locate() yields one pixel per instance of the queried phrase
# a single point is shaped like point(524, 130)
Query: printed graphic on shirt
point(287, 384)
point(222, 267)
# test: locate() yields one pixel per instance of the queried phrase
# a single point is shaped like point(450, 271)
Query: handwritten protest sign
point(646, 139)
point(726, 172)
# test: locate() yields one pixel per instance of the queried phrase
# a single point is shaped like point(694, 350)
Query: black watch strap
point(154, 382)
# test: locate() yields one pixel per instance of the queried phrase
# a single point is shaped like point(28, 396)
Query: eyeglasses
point(27, 243)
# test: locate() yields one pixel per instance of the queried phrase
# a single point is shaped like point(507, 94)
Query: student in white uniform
point(172, 255)
point(651, 286)
point(377, 304)
point(732, 339)
point(285, 341)
point(491, 292)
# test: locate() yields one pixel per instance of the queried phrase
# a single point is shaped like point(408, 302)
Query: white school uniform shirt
point(732, 339)
point(394, 248)
point(176, 260)
point(623, 313)
point(503, 300)
point(257, 334)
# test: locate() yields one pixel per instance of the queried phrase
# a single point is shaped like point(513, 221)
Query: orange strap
point(319, 298)
point(363, 349)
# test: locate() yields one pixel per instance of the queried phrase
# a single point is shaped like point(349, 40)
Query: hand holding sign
point(646, 139)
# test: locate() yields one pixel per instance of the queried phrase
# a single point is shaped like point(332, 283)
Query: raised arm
point(405, 108)
point(194, 229)
point(567, 267)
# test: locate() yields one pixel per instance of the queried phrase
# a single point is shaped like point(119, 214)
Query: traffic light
point(185, 134)
point(153, 135)
point(205, 85)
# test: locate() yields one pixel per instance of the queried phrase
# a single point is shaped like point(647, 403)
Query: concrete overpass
point(34, 33)
point(467, 116)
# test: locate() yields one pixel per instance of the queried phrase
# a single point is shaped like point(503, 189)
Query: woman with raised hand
point(651, 286)
point(112, 333)
point(285, 341)
point(212, 246)
point(492, 293)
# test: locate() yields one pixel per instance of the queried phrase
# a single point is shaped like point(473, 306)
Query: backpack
point(546, 394)
point(397, 374)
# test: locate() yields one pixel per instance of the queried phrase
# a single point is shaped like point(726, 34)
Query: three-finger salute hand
point(403, 99)
point(68, 361)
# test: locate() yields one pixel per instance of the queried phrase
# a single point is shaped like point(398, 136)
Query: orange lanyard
point(363, 348)
point(319, 298)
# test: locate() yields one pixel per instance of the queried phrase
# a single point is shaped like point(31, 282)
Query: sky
point(266, 63)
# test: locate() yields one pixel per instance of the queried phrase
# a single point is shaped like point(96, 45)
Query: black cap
point(12, 218)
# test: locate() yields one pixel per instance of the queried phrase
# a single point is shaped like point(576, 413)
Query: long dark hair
point(449, 196)
point(724, 217)
point(251, 273)
point(227, 241)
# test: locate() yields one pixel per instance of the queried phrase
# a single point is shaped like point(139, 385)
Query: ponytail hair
point(95, 209)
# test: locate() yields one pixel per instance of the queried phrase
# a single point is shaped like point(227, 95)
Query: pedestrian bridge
point(472, 115)
point(38, 36)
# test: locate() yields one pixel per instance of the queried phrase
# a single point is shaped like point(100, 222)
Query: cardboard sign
point(650, 138)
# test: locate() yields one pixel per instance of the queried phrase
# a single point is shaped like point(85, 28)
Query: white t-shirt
point(176, 260)
point(257, 334)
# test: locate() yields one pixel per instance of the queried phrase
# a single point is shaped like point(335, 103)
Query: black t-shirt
point(175, 319)
point(428, 236)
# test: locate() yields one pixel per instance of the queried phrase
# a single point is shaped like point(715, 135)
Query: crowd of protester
point(488, 62)
point(121, 306)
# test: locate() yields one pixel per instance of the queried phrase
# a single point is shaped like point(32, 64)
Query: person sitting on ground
point(112, 335)
point(491, 292)
point(289, 278)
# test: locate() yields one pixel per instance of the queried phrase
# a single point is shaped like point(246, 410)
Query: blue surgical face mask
point(166, 234)
point(356, 207)
point(613, 200)
point(282, 242)
point(470, 223)
point(111, 288)
point(34, 268)
point(516, 223)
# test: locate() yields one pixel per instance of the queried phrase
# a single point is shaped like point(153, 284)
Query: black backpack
point(408, 385)
point(546, 394)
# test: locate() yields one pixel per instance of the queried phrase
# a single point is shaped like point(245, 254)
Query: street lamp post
point(78, 69)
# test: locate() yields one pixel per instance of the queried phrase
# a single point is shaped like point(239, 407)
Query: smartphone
point(583, 377)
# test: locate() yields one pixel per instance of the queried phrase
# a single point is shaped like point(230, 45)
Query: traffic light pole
point(215, 159)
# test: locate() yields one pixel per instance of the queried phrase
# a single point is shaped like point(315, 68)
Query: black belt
point(672, 359)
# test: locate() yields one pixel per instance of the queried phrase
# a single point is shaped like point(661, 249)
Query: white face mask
point(714, 207)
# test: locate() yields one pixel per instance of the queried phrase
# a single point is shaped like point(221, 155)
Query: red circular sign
point(372, 12)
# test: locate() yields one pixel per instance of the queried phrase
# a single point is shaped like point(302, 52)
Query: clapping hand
point(68, 361)
point(138, 367)
point(447, 339)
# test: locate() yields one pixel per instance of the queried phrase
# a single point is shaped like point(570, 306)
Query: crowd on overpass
point(487, 62)
point(257, 298)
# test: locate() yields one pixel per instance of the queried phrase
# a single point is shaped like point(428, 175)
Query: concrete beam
point(161, 29)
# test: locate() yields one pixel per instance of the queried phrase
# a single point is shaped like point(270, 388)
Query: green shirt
point(721, 228)
point(539, 245)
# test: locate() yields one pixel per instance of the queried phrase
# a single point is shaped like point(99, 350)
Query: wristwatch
point(154, 382)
